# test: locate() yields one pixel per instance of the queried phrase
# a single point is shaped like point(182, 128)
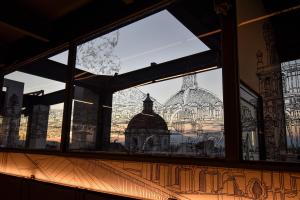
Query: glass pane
point(32, 110)
point(157, 38)
point(172, 117)
point(291, 97)
point(84, 119)
point(249, 123)
point(269, 70)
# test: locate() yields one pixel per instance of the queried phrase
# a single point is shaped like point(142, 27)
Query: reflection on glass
point(54, 126)
point(291, 93)
point(249, 113)
point(31, 114)
point(84, 119)
point(23, 130)
point(170, 117)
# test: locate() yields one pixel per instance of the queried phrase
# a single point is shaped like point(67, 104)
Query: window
point(107, 101)
point(171, 117)
point(31, 116)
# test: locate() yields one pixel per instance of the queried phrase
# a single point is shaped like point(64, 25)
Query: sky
point(157, 38)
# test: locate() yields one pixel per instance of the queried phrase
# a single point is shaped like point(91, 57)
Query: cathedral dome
point(197, 96)
point(147, 119)
point(190, 94)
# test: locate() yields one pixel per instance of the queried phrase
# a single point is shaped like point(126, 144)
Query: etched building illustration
point(158, 181)
point(291, 93)
point(193, 117)
point(197, 115)
point(270, 88)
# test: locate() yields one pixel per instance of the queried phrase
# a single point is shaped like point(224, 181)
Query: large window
point(151, 87)
point(157, 87)
point(111, 110)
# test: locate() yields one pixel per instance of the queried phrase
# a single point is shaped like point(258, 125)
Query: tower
point(270, 88)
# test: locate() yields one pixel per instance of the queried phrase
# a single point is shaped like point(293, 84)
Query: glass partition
point(269, 66)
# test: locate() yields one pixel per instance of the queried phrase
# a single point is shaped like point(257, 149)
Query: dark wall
point(15, 188)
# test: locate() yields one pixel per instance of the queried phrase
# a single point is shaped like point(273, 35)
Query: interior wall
point(153, 180)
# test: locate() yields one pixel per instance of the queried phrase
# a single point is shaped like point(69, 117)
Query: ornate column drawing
point(270, 88)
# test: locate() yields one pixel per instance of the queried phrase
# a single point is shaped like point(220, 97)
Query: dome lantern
point(148, 105)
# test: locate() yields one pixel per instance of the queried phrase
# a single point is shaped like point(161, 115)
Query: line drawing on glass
point(193, 118)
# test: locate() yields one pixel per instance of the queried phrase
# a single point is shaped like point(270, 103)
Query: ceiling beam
point(190, 64)
point(58, 72)
point(24, 32)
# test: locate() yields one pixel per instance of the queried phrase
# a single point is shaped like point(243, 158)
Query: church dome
point(197, 96)
point(147, 119)
point(190, 94)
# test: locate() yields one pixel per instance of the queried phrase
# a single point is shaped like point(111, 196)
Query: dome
point(147, 119)
point(191, 94)
point(197, 96)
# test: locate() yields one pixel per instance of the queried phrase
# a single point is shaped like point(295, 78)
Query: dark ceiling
point(30, 29)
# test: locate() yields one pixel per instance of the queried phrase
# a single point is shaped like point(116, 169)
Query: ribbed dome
point(147, 121)
point(193, 96)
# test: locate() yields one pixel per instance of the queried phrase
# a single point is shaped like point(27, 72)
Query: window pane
point(291, 97)
point(177, 116)
point(32, 110)
point(85, 114)
point(250, 128)
point(157, 38)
